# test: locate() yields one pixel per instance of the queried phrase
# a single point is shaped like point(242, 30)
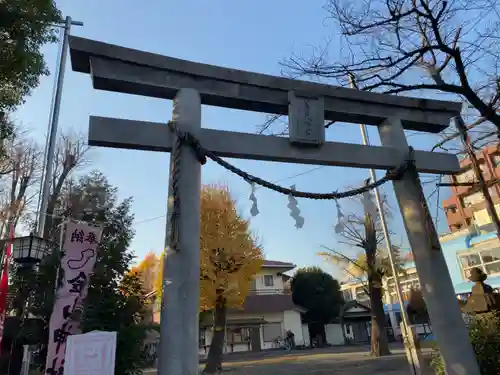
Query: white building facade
point(267, 314)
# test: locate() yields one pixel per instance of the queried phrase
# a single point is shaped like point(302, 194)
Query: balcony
point(457, 218)
point(266, 291)
point(463, 190)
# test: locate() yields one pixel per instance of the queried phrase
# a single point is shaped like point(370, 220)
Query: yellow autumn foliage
point(159, 276)
point(147, 270)
point(229, 254)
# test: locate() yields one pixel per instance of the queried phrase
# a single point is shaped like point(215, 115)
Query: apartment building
point(354, 291)
point(466, 206)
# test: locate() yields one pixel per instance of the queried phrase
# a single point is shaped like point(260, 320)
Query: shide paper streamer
point(339, 228)
point(294, 210)
point(254, 211)
point(367, 201)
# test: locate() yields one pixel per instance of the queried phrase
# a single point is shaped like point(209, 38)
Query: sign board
point(80, 252)
point(91, 353)
point(306, 120)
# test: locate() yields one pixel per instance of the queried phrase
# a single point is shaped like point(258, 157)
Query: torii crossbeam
point(308, 105)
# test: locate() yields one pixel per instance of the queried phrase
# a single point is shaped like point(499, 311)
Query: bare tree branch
point(70, 155)
point(398, 46)
point(20, 173)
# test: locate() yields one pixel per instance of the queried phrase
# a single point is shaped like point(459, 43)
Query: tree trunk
point(379, 341)
point(214, 358)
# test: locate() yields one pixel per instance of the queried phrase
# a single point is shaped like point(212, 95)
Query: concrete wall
point(334, 334)
point(305, 334)
point(293, 322)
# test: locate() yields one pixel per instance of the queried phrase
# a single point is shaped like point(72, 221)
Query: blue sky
point(251, 36)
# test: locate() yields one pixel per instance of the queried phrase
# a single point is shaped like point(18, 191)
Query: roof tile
point(277, 263)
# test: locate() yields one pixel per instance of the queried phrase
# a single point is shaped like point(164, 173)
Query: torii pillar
point(114, 68)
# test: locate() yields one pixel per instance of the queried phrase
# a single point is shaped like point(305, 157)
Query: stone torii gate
point(308, 105)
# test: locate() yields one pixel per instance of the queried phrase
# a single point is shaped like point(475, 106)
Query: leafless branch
point(70, 155)
point(399, 46)
point(20, 174)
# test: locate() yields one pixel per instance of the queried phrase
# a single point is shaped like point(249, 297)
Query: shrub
point(484, 334)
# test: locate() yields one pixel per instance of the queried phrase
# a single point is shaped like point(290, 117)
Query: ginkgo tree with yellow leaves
point(230, 257)
point(158, 285)
point(148, 270)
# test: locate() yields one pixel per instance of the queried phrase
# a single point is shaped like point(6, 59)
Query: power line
point(276, 181)
point(295, 175)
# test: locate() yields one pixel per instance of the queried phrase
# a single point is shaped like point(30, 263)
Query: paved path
point(318, 362)
point(323, 364)
point(266, 354)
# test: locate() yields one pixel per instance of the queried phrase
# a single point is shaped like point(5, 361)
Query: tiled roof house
point(268, 312)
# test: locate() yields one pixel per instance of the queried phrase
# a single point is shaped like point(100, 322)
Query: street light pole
point(397, 285)
point(53, 124)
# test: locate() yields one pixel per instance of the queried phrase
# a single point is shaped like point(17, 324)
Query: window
point(361, 294)
point(397, 315)
point(408, 283)
point(253, 287)
point(347, 295)
point(268, 280)
point(271, 331)
point(492, 255)
point(237, 336)
point(473, 199)
point(491, 261)
point(388, 320)
point(452, 208)
point(201, 338)
point(468, 176)
point(470, 260)
point(482, 218)
point(487, 260)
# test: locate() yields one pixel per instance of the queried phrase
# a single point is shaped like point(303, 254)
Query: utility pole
point(406, 329)
point(53, 124)
point(49, 149)
point(490, 206)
